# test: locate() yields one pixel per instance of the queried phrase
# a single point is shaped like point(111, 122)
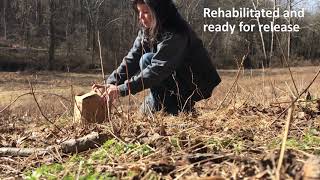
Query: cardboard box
point(89, 108)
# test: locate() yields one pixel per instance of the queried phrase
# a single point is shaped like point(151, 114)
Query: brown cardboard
point(89, 108)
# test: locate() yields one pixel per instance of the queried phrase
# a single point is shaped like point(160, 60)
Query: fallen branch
point(87, 142)
point(10, 151)
point(22, 49)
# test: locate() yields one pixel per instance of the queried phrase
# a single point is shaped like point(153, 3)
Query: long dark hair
point(166, 16)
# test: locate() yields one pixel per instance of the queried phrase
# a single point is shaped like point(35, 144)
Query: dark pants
point(166, 95)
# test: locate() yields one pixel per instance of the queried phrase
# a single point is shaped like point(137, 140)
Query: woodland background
point(63, 34)
point(259, 124)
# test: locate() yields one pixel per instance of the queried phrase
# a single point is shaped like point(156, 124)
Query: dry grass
point(240, 140)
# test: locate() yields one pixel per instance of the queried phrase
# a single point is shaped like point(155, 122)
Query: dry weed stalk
point(129, 98)
point(284, 140)
point(274, 92)
point(263, 84)
point(116, 136)
point(107, 109)
point(11, 103)
point(299, 101)
point(236, 79)
point(212, 158)
point(299, 95)
point(286, 61)
point(29, 93)
point(43, 115)
point(100, 57)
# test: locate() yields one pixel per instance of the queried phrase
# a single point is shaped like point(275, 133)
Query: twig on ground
point(114, 135)
point(79, 170)
point(184, 172)
point(2, 166)
point(299, 100)
point(29, 93)
point(5, 108)
point(300, 151)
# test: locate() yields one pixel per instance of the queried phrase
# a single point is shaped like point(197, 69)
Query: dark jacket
point(181, 55)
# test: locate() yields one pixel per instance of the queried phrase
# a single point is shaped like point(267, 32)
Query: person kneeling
point(167, 57)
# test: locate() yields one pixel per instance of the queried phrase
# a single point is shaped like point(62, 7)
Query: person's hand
point(99, 88)
point(111, 94)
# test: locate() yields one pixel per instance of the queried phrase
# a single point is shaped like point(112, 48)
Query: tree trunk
point(24, 25)
point(68, 28)
point(88, 31)
point(272, 36)
point(38, 12)
point(4, 22)
point(51, 34)
point(289, 34)
point(93, 45)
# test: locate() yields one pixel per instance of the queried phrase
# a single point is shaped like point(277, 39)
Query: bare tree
point(272, 35)
point(66, 25)
point(70, 26)
point(289, 33)
point(92, 23)
point(261, 36)
point(4, 22)
point(38, 13)
point(51, 34)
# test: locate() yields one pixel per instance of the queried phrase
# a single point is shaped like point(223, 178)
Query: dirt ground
point(236, 134)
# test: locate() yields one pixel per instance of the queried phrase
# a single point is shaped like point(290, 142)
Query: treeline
point(63, 34)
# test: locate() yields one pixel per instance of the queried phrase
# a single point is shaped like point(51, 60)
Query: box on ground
point(89, 108)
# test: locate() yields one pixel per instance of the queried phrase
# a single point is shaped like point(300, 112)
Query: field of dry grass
point(239, 138)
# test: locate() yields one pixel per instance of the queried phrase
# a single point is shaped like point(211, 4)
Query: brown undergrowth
point(241, 140)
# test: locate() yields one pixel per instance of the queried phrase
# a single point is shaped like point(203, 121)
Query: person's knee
point(146, 60)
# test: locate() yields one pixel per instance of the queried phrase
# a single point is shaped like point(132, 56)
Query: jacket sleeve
point(170, 54)
point(131, 59)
